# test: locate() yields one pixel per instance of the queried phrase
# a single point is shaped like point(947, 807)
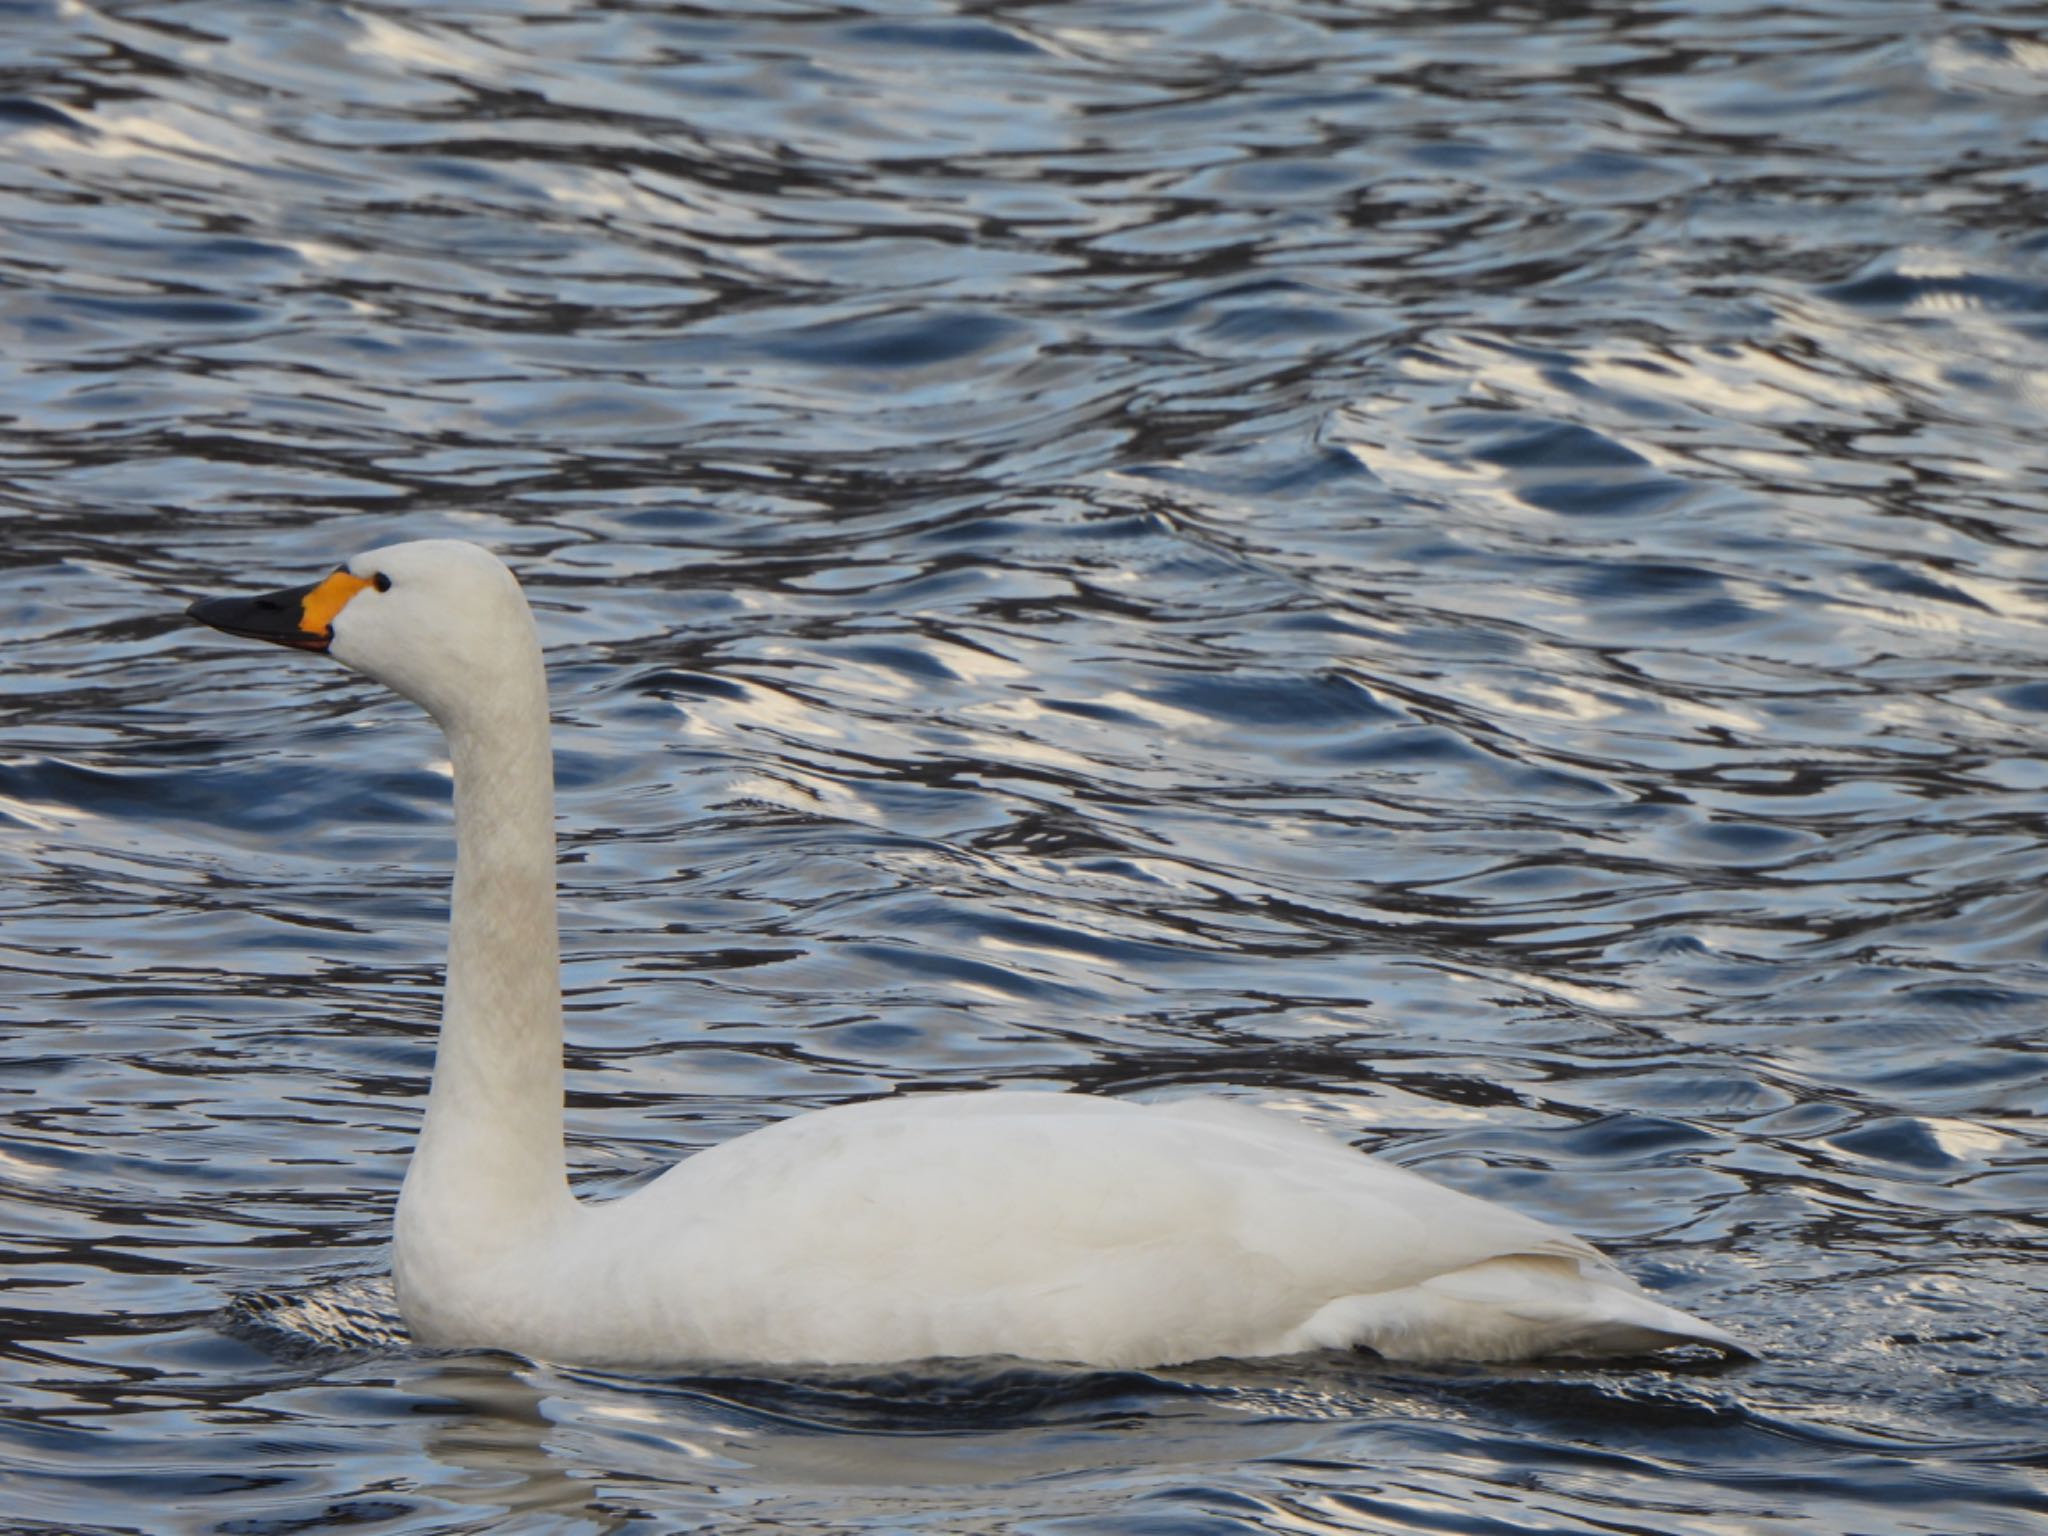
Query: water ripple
point(1474, 577)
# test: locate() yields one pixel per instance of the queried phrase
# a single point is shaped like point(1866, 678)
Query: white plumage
point(1045, 1225)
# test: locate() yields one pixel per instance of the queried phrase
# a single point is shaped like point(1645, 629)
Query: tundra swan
point(1051, 1226)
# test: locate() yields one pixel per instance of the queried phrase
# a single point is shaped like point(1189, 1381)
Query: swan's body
point(1044, 1225)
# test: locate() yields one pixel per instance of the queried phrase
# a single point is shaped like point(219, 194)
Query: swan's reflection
point(607, 1451)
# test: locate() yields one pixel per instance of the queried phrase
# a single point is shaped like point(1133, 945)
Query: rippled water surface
point(1471, 572)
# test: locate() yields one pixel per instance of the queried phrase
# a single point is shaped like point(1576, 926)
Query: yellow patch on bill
point(319, 606)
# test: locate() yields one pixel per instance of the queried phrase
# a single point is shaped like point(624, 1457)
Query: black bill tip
point(279, 617)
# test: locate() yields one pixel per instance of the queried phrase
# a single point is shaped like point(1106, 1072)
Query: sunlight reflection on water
point(1475, 576)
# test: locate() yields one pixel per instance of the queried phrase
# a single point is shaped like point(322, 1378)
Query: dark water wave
point(1473, 573)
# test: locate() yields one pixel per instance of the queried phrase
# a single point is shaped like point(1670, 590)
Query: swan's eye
point(381, 582)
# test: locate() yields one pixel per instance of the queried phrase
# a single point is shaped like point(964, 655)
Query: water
point(1470, 572)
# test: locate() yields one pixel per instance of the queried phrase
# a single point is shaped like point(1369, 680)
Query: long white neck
point(488, 1172)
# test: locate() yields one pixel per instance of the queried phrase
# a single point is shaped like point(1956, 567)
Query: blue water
point(1472, 572)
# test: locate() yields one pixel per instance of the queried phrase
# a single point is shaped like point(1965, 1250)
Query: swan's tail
point(1518, 1308)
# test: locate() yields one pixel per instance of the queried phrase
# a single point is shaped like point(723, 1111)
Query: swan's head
point(439, 621)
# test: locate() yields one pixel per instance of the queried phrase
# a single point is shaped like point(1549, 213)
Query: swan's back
point(1065, 1227)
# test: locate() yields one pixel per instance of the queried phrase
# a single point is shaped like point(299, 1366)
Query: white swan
point(1052, 1226)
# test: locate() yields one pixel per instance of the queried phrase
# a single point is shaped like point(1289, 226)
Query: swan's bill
point(300, 616)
